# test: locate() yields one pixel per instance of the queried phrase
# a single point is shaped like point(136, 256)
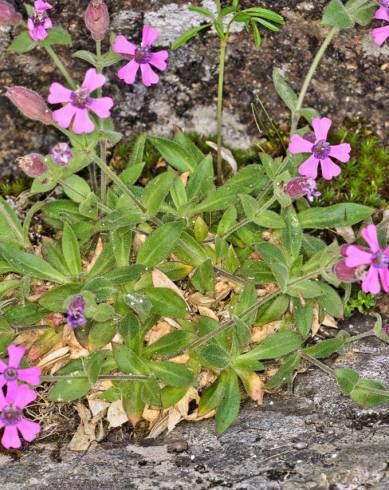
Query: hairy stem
point(312, 70)
point(219, 119)
point(114, 377)
point(318, 364)
point(61, 67)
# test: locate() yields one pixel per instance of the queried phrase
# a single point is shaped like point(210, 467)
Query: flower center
point(385, 4)
point(321, 150)
point(11, 415)
point(143, 54)
point(10, 374)
point(381, 260)
point(80, 97)
point(39, 18)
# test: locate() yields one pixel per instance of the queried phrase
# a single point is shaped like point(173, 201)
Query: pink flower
point(79, 102)
point(300, 186)
point(381, 34)
point(376, 258)
point(11, 373)
point(39, 22)
point(62, 154)
point(316, 143)
point(142, 57)
point(11, 416)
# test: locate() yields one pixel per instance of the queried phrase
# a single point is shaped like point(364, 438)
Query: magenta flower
point(316, 143)
point(62, 154)
point(39, 22)
point(76, 312)
point(79, 102)
point(11, 373)
point(141, 56)
point(376, 258)
point(11, 416)
point(381, 34)
point(300, 187)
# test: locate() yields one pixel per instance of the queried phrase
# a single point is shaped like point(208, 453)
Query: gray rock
point(350, 82)
point(314, 439)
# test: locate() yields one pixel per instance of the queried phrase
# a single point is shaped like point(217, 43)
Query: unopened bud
point(30, 103)
point(62, 154)
point(8, 14)
point(301, 186)
point(33, 164)
point(97, 19)
point(344, 273)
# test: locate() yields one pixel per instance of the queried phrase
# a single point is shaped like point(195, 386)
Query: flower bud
point(301, 186)
point(33, 164)
point(29, 103)
point(8, 14)
point(97, 19)
point(62, 154)
point(344, 273)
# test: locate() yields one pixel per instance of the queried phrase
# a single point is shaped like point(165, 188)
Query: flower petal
point(159, 58)
point(371, 237)
point(341, 152)
point(19, 395)
point(3, 401)
point(3, 366)
point(380, 35)
point(148, 76)
point(309, 167)
point(384, 274)
point(356, 256)
point(329, 169)
point(28, 429)
point(58, 94)
point(321, 126)
point(82, 122)
point(128, 72)
point(382, 14)
point(15, 355)
point(63, 117)
point(299, 145)
point(47, 24)
point(30, 375)
point(371, 283)
point(149, 35)
point(40, 6)
point(10, 437)
point(93, 80)
point(101, 106)
point(123, 46)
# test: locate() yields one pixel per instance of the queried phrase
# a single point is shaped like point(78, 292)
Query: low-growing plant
point(117, 292)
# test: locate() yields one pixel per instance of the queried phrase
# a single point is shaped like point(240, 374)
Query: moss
point(13, 187)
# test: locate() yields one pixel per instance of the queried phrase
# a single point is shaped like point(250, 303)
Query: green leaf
point(284, 90)
point(70, 389)
point(303, 315)
point(89, 207)
point(190, 250)
point(272, 310)
point(203, 279)
point(228, 408)
point(170, 344)
point(363, 395)
point(201, 11)
point(285, 372)
point(166, 302)
point(22, 43)
point(337, 14)
point(265, 218)
point(292, 235)
point(55, 299)
point(338, 215)
point(347, 379)
point(109, 58)
point(25, 314)
point(86, 56)
point(100, 335)
point(257, 271)
point(160, 243)
point(227, 221)
point(213, 356)
point(128, 361)
point(56, 35)
point(187, 36)
point(277, 345)
point(29, 264)
point(138, 150)
point(178, 193)
point(76, 188)
point(132, 400)
point(211, 397)
point(325, 348)
point(10, 227)
point(151, 393)
point(171, 373)
point(307, 289)
point(171, 395)
point(71, 250)
point(156, 191)
point(330, 301)
point(6, 286)
point(275, 259)
point(125, 274)
point(201, 180)
point(174, 154)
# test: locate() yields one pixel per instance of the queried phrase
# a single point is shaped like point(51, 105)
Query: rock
point(314, 439)
point(350, 82)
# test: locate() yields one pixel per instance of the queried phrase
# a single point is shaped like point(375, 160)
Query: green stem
point(312, 70)
point(27, 220)
point(61, 67)
point(219, 120)
point(318, 364)
point(360, 336)
point(103, 177)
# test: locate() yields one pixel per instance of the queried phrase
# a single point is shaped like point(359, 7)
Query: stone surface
point(351, 80)
point(314, 439)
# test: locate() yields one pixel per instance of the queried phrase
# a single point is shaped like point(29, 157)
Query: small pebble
point(177, 446)
point(300, 445)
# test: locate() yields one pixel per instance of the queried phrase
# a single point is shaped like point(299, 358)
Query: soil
point(314, 438)
point(351, 80)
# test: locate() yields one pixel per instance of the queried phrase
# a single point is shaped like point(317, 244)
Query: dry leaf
point(116, 415)
point(316, 322)
point(329, 321)
point(347, 233)
point(160, 280)
point(226, 155)
point(76, 349)
point(198, 299)
point(99, 248)
point(260, 332)
point(184, 177)
point(204, 311)
point(53, 357)
point(157, 331)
